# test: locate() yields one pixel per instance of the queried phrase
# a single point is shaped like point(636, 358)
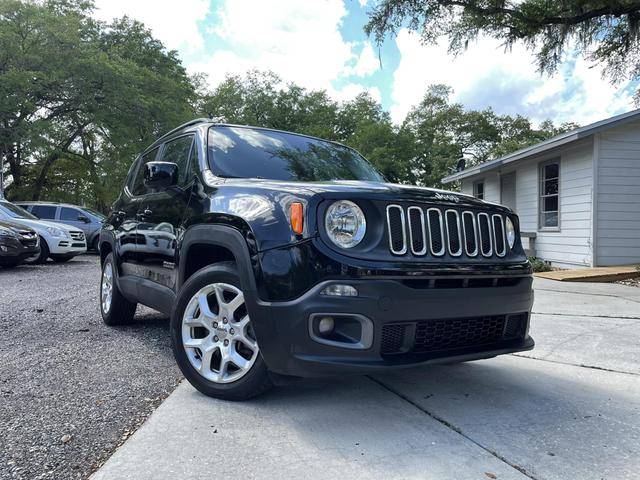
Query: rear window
point(47, 212)
point(243, 152)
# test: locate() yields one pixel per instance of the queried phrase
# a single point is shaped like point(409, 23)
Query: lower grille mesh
point(453, 333)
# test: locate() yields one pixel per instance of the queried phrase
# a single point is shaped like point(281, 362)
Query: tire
point(42, 256)
point(116, 310)
point(224, 330)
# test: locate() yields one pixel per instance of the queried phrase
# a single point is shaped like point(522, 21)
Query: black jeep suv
point(280, 255)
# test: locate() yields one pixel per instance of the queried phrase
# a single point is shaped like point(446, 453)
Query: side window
point(44, 211)
point(69, 214)
point(550, 195)
point(138, 182)
point(177, 151)
point(478, 189)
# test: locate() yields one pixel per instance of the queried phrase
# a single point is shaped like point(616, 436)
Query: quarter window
point(549, 195)
point(177, 151)
point(478, 189)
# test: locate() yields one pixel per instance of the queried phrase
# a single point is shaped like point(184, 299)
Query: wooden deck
point(597, 274)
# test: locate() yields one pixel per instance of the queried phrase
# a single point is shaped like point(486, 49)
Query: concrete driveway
point(568, 409)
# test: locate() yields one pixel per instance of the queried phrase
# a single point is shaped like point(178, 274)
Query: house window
point(478, 189)
point(549, 195)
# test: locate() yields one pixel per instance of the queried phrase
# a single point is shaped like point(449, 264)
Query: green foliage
point(79, 99)
point(539, 265)
point(603, 31)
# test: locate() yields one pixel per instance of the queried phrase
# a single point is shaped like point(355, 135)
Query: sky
point(320, 44)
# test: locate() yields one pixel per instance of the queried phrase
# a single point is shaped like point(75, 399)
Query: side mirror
point(83, 218)
point(160, 175)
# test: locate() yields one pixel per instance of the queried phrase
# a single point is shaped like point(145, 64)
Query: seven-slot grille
point(435, 231)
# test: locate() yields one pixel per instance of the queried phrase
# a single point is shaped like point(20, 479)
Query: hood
point(371, 190)
point(16, 227)
point(39, 225)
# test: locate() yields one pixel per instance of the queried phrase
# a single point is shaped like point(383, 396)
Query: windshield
point(99, 215)
point(15, 211)
point(243, 152)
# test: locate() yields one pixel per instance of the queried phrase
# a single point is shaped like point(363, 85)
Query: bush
point(539, 265)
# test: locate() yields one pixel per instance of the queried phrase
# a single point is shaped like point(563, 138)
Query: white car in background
point(57, 241)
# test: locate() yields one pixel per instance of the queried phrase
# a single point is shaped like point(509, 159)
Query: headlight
point(55, 232)
point(345, 224)
point(6, 232)
point(511, 233)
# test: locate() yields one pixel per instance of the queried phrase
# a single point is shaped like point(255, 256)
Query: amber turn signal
point(297, 217)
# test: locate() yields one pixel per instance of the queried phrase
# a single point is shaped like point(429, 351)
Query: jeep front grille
point(434, 232)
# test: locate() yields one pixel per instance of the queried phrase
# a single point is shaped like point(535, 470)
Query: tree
point(603, 31)
point(78, 98)
point(445, 132)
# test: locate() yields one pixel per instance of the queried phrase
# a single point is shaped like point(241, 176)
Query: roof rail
point(184, 125)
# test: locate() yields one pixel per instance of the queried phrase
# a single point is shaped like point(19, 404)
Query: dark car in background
point(282, 255)
point(17, 243)
point(84, 218)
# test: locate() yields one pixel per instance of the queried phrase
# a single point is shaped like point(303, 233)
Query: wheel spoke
point(194, 343)
point(205, 361)
point(196, 322)
point(238, 360)
point(233, 305)
point(249, 342)
point(203, 303)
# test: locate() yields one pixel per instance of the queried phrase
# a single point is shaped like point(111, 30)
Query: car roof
point(57, 204)
point(199, 122)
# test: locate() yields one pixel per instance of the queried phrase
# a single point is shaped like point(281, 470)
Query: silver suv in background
point(86, 219)
point(57, 241)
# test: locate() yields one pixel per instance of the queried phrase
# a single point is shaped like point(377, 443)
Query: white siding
point(570, 247)
point(618, 196)
point(491, 186)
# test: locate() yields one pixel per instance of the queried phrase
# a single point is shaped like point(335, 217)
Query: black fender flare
point(218, 236)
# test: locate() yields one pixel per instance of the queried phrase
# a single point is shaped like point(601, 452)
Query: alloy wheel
point(217, 334)
point(106, 292)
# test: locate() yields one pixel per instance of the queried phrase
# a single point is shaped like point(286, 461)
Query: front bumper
point(67, 246)
point(286, 343)
point(12, 249)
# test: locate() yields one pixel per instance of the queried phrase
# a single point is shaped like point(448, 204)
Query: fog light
point(325, 325)
point(340, 290)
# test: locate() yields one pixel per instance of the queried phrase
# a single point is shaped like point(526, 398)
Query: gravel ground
point(72, 389)
point(632, 282)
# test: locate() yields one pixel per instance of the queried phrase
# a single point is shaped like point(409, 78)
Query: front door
point(508, 190)
point(160, 217)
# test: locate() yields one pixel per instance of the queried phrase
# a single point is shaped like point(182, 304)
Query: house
point(577, 194)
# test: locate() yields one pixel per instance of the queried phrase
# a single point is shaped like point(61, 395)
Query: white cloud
point(175, 25)
point(299, 41)
point(366, 63)
point(485, 75)
point(351, 90)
